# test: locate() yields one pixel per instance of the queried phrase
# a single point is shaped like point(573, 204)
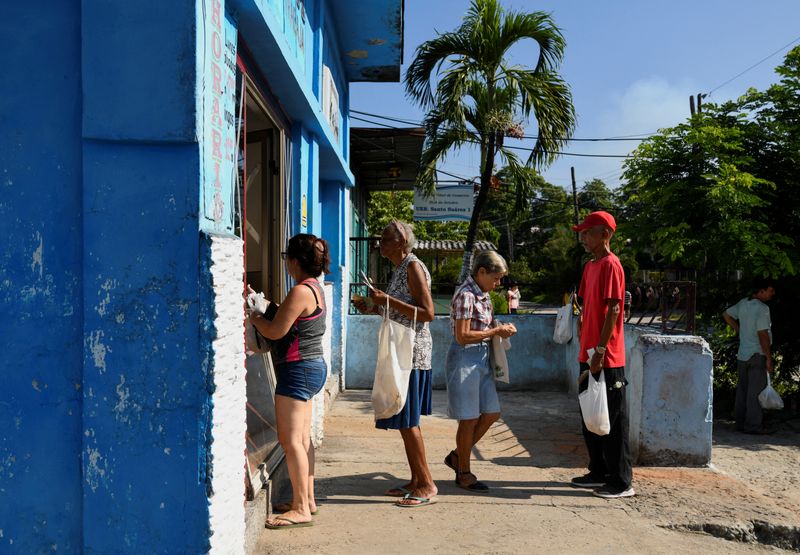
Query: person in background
point(627, 303)
point(409, 292)
point(513, 296)
point(750, 318)
point(471, 392)
point(602, 349)
point(297, 329)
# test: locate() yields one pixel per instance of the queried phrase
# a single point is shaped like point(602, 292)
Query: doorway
point(264, 227)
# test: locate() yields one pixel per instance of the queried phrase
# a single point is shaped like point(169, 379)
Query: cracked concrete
point(528, 459)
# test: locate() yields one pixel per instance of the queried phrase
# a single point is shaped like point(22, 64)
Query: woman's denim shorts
point(302, 379)
point(471, 389)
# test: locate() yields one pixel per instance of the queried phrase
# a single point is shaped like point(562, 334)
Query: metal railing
point(669, 306)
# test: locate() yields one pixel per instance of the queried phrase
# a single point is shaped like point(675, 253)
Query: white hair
point(490, 261)
point(404, 235)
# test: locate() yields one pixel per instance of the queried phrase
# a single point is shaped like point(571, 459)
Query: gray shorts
point(471, 388)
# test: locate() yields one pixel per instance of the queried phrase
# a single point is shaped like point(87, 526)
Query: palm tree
point(480, 98)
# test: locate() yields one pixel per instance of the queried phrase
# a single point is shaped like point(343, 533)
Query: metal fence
point(669, 306)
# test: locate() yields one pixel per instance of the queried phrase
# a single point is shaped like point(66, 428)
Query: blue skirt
point(418, 402)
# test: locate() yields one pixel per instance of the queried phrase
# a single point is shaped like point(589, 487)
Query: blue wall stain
point(40, 294)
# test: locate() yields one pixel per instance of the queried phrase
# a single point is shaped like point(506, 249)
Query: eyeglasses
point(283, 255)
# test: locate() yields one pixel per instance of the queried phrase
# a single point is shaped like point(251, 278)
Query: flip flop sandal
point(292, 524)
point(421, 502)
point(399, 491)
point(286, 507)
point(475, 487)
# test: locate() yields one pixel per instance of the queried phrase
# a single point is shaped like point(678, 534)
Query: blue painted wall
point(145, 393)
point(41, 332)
point(535, 361)
point(105, 410)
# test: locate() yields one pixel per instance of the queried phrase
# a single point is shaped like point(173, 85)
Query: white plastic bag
point(393, 367)
point(497, 356)
point(257, 304)
point(563, 331)
point(594, 405)
point(769, 398)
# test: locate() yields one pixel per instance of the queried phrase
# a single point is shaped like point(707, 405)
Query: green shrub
point(499, 302)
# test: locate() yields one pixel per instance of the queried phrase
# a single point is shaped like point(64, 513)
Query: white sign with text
point(448, 203)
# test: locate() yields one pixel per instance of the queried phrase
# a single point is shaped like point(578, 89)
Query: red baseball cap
point(595, 219)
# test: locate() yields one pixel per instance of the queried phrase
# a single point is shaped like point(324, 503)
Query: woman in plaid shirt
point(471, 393)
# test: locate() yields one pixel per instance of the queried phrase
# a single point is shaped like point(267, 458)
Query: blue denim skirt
point(418, 402)
point(471, 389)
point(301, 379)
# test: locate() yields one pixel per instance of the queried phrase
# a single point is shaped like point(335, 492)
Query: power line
point(526, 149)
point(590, 139)
point(758, 63)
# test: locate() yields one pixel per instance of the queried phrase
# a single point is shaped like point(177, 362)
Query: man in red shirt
point(602, 349)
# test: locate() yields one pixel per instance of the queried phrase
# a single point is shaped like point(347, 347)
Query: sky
point(631, 66)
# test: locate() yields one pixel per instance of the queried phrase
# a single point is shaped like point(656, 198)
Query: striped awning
point(452, 246)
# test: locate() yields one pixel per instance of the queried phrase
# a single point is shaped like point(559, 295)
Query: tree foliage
point(480, 98)
point(720, 194)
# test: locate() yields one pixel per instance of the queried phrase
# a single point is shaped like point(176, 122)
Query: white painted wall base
point(226, 501)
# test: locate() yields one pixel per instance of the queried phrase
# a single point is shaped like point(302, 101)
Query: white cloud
point(645, 106)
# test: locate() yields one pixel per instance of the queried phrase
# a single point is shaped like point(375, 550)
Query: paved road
point(527, 458)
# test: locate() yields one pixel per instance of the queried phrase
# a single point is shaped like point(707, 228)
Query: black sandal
point(477, 486)
point(448, 461)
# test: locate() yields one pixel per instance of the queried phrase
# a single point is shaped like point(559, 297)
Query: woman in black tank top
point(297, 329)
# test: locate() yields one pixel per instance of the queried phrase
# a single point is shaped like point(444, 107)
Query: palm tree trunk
point(477, 209)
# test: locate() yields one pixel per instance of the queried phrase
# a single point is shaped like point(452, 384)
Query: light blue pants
point(471, 389)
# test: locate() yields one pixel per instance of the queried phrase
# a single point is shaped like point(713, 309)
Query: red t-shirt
point(602, 279)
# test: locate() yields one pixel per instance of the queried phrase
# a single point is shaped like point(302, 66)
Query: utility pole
point(700, 97)
point(577, 235)
point(574, 194)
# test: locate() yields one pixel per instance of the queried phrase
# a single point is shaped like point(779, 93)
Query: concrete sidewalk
point(527, 459)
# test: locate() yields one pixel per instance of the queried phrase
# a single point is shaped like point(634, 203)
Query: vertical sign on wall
point(218, 138)
point(330, 102)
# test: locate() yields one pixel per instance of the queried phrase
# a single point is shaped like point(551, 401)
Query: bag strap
point(386, 310)
point(414, 326)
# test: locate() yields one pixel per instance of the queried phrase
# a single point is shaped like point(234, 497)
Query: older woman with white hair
point(409, 291)
point(471, 392)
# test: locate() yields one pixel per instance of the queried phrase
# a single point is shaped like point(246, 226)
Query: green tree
point(720, 194)
point(480, 97)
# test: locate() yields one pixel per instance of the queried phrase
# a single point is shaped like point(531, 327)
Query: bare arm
point(466, 336)
point(731, 321)
point(420, 292)
point(299, 302)
point(766, 348)
point(612, 314)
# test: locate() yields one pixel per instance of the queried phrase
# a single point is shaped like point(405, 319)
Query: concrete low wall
point(536, 362)
point(670, 394)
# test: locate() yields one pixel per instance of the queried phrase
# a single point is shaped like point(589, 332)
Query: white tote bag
point(563, 332)
point(594, 405)
point(769, 398)
point(498, 358)
point(393, 367)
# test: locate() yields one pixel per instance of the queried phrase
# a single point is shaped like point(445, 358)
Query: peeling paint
point(358, 54)
point(123, 393)
point(36, 259)
point(94, 472)
point(98, 349)
point(35, 384)
point(376, 42)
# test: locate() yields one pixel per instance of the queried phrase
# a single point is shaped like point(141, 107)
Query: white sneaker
point(609, 492)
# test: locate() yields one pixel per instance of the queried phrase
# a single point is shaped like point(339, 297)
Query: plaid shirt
point(471, 303)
